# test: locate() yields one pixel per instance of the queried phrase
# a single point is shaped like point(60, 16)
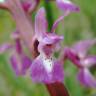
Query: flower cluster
point(44, 67)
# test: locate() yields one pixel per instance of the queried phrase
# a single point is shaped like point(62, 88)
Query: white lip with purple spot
point(48, 64)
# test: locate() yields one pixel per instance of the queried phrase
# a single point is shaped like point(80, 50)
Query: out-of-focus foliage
point(74, 27)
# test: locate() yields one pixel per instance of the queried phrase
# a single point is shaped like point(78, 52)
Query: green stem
point(49, 14)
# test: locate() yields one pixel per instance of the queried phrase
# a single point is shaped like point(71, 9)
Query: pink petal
point(58, 72)
point(71, 55)
point(14, 64)
point(86, 78)
point(58, 21)
point(81, 48)
point(40, 23)
point(52, 38)
point(20, 64)
point(26, 63)
point(16, 37)
point(67, 5)
point(89, 61)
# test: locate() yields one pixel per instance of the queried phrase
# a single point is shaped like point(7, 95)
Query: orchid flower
point(78, 55)
point(19, 61)
point(45, 68)
point(49, 70)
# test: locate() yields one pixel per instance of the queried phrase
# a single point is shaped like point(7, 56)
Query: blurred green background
point(76, 26)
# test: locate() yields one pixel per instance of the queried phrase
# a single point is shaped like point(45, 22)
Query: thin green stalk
point(49, 13)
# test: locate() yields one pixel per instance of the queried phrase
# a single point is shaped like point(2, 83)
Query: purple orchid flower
point(78, 55)
point(49, 70)
point(19, 61)
point(45, 68)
